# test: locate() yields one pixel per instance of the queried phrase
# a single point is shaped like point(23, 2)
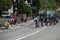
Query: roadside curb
point(22, 24)
point(28, 22)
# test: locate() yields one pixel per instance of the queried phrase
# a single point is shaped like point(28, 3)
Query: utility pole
point(15, 2)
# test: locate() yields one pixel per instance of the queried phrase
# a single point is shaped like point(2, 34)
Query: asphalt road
point(50, 33)
point(29, 32)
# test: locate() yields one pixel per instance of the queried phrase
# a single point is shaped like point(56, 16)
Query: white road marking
point(32, 33)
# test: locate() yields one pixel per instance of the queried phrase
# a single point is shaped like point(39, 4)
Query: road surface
point(29, 32)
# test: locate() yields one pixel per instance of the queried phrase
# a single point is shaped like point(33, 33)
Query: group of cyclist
point(46, 17)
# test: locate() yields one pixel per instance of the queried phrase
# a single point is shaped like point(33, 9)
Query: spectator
point(22, 19)
point(11, 21)
point(15, 19)
point(7, 24)
point(25, 19)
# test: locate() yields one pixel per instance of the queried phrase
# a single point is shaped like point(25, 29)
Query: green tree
point(22, 7)
point(52, 5)
point(4, 5)
point(42, 4)
point(28, 11)
point(36, 3)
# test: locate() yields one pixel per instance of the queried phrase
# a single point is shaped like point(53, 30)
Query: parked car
point(6, 14)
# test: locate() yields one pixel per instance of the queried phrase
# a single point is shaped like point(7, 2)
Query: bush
point(29, 12)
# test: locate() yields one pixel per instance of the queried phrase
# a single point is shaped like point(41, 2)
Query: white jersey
point(36, 19)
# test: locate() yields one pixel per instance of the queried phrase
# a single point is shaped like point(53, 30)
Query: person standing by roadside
point(15, 19)
point(25, 17)
point(22, 18)
point(11, 20)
